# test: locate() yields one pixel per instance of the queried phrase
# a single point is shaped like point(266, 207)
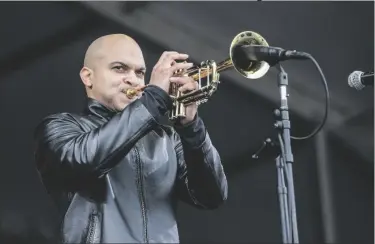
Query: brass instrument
point(210, 71)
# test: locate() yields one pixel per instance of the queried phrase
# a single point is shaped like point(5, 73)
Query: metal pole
point(325, 188)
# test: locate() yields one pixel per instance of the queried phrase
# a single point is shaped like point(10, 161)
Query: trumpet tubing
point(207, 75)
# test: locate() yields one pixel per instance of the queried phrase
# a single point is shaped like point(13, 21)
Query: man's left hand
point(187, 85)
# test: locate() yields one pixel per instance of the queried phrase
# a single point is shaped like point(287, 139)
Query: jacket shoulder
point(62, 116)
point(57, 120)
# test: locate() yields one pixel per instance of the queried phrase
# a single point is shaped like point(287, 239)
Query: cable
point(327, 102)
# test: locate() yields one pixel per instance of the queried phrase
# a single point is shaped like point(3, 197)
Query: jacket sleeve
point(60, 138)
point(201, 178)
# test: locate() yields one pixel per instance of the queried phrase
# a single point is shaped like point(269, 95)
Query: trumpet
point(207, 74)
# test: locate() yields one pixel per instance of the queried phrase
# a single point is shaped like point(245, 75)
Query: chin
point(122, 105)
point(121, 102)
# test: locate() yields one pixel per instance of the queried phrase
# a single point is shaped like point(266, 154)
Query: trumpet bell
point(253, 70)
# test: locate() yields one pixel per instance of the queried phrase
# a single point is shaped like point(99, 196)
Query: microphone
point(360, 80)
point(244, 55)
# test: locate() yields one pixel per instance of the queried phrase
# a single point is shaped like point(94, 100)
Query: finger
point(163, 57)
point(181, 66)
point(191, 86)
point(167, 58)
point(181, 80)
point(196, 85)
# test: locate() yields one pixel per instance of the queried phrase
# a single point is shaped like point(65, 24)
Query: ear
point(86, 76)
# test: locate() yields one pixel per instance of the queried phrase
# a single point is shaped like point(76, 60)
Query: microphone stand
point(284, 164)
point(282, 150)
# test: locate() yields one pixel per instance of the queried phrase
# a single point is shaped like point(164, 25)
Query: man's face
point(120, 66)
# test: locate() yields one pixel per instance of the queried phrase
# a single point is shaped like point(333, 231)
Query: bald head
point(103, 45)
point(112, 64)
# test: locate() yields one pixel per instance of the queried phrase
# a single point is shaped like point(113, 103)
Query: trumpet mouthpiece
point(132, 92)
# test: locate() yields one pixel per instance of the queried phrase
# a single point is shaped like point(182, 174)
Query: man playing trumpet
point(115, 171)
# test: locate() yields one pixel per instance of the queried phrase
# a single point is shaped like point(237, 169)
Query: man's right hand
point(165, 68)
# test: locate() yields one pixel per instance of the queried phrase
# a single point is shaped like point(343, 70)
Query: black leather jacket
point(88, 160)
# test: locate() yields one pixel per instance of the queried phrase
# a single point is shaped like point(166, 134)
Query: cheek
point(141, 81)
point(110, 83)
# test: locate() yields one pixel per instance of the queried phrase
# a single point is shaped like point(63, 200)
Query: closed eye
point(141, 72)
point(118, 68)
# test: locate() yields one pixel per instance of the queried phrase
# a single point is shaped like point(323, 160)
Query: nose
point(131, 80)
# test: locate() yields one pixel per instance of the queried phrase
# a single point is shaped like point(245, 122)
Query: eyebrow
point(123, 64)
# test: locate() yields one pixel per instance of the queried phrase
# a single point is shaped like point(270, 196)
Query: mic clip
point(269, 147)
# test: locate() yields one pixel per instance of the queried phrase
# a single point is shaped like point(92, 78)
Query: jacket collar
point(95, 108)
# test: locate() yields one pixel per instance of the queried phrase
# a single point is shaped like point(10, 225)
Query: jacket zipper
point(92, 229)
point(141, 194)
